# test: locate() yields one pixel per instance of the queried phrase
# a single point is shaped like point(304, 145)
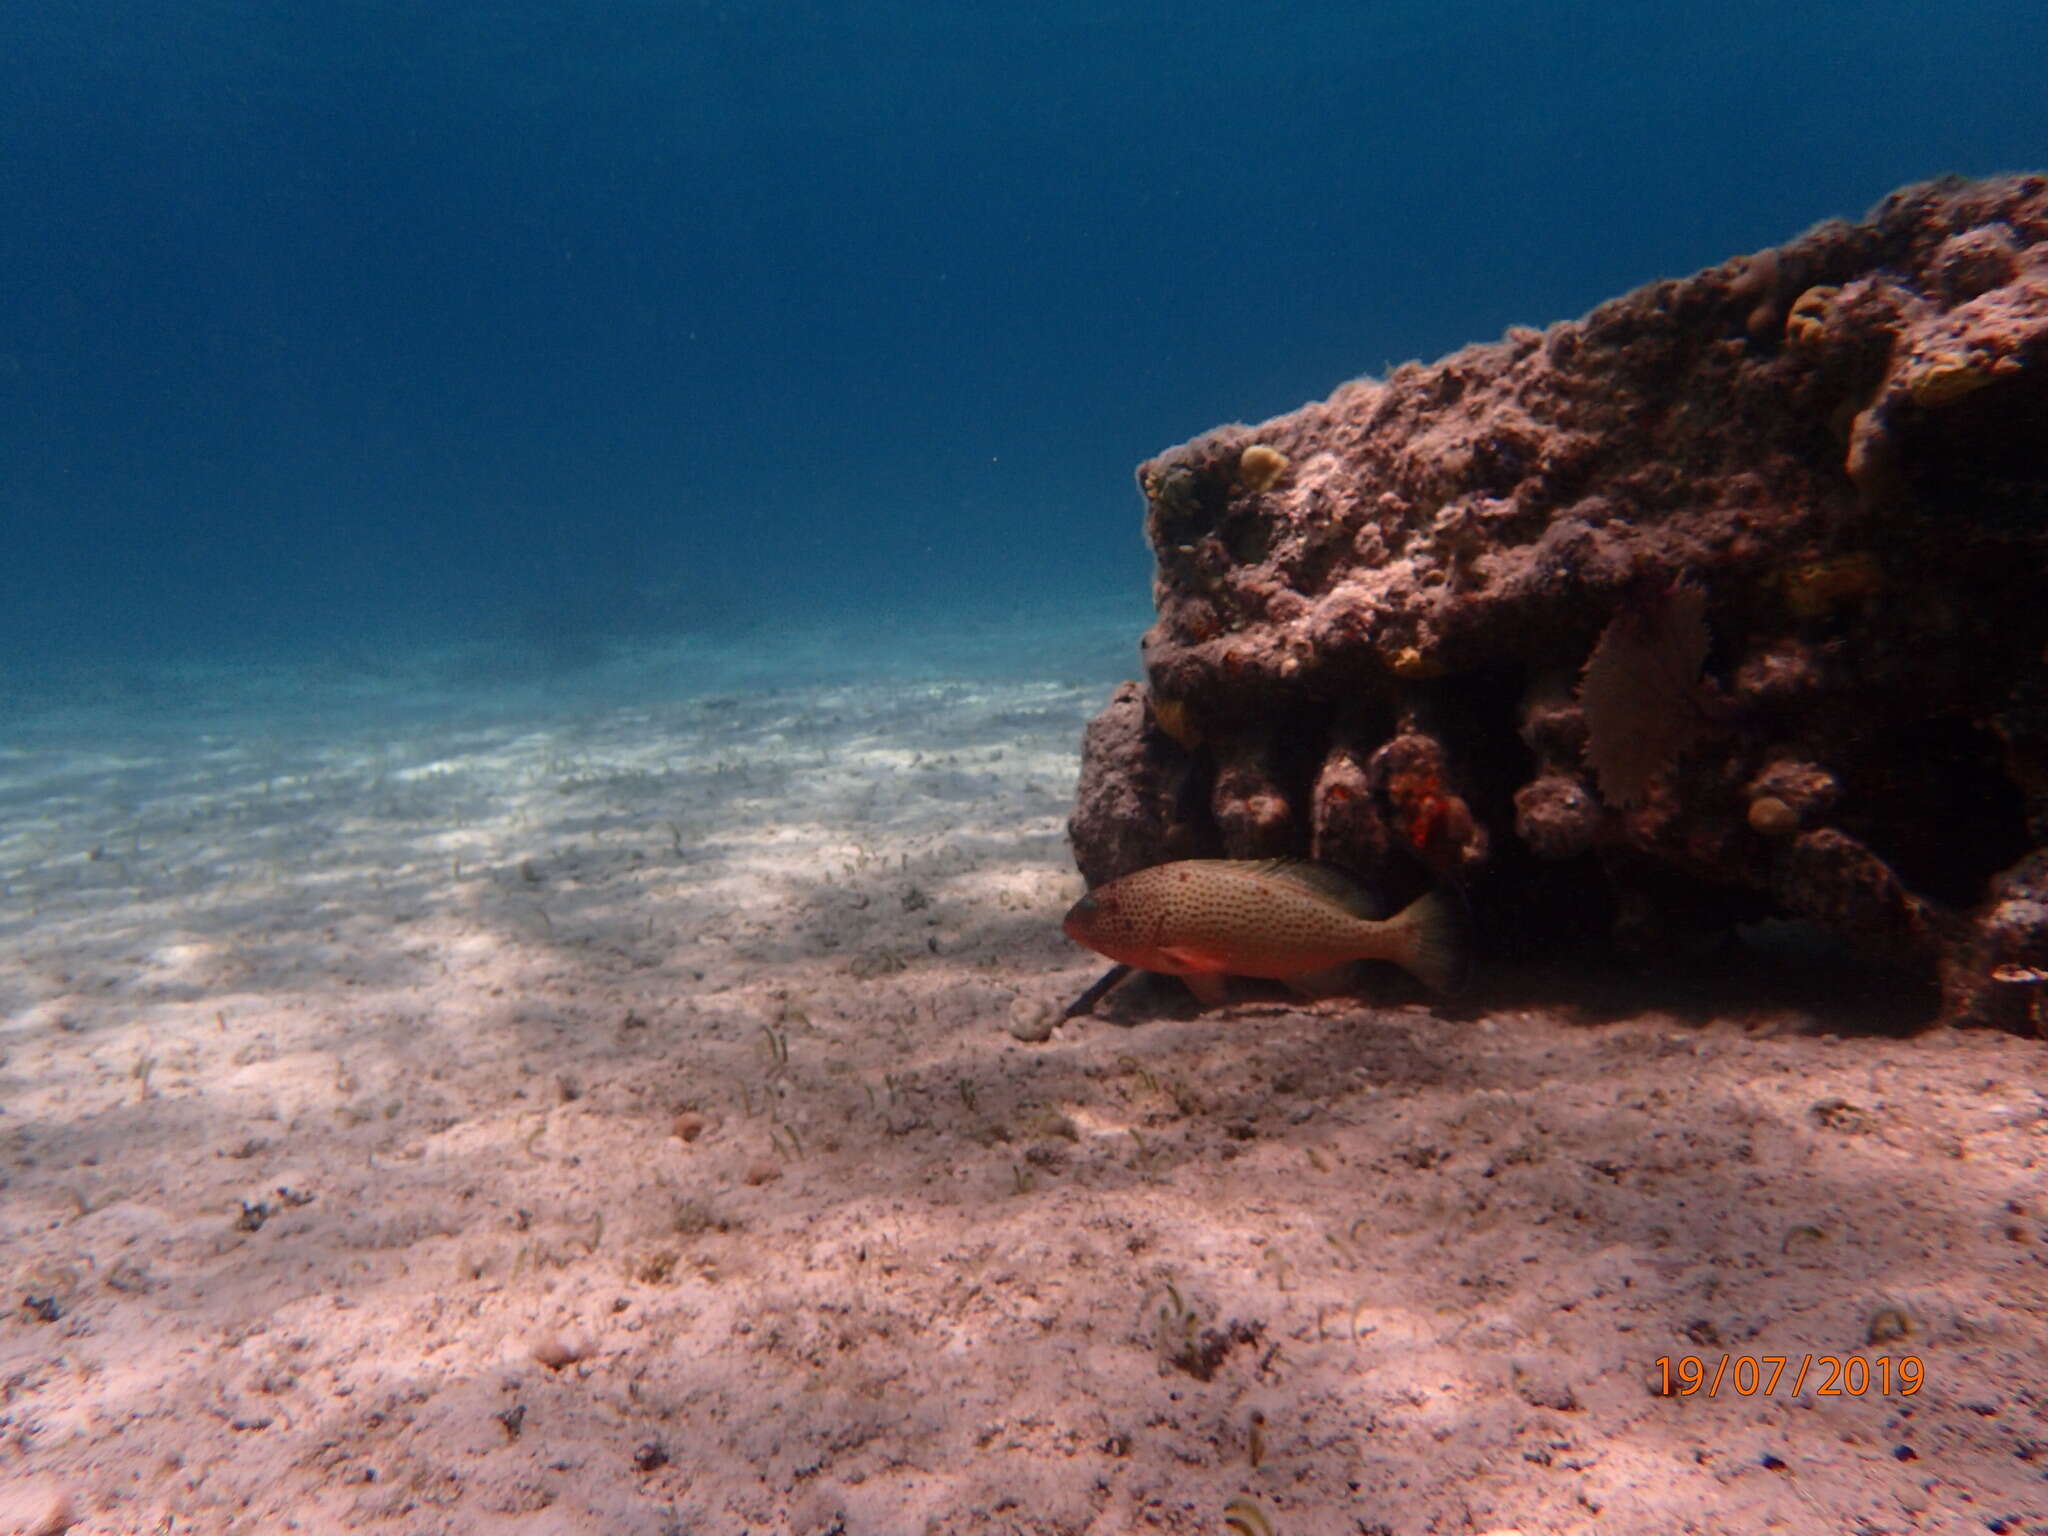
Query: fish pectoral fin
point(1327, 982)
point(1199, 970)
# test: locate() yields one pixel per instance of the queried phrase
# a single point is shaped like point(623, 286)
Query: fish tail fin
point(1433, 939)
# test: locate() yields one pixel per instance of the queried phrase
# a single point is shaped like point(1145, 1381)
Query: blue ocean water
point(371, 326)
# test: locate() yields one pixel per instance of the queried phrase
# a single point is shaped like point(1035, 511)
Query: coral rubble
point(1728, 598)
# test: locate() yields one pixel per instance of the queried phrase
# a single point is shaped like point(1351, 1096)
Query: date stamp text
point(1768, 1375)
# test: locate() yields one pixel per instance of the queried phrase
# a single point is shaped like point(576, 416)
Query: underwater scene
point(775, 767)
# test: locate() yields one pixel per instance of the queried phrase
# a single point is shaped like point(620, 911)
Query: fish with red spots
point(1288, 920)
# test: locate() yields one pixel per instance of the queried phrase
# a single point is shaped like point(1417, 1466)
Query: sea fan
point(1641, 690)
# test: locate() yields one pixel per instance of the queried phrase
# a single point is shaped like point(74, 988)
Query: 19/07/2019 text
point(1763, 1375)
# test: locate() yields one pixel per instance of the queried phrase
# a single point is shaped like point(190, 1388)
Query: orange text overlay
point(1770, 1375)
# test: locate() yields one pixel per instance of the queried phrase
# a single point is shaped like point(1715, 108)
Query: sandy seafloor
point(444, 1099)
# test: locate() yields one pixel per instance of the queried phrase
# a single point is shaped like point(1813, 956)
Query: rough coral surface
point(1375, 612)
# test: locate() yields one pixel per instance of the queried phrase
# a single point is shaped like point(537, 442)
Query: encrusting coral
point(1730, 596)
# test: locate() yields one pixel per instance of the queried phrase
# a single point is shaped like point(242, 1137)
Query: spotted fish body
point(1284, 919)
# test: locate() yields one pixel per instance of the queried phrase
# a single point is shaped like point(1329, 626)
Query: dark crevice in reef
point(1973, 817)
point(1719, 613)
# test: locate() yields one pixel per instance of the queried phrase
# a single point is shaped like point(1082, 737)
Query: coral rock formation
point(1793, 511)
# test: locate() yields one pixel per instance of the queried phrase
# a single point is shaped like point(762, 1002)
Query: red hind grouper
point(1286, 919)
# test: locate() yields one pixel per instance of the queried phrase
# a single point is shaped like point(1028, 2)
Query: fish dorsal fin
point(1324, 880)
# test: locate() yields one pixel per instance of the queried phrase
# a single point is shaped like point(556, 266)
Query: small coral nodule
point(1947, 378)
point(1815, 588)
point(1260, 467)
point(1172, 717)
point(1173, 488)
point(1410, 665)
point(1807, 324)
point(1428, 810)
point(1772, 817)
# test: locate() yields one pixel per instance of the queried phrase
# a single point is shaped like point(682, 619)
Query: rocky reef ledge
point(1728, 601)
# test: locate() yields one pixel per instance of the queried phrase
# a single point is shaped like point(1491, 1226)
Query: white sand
point(347, 1044)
